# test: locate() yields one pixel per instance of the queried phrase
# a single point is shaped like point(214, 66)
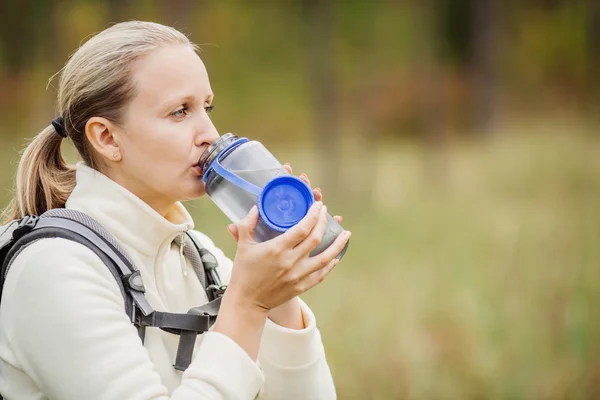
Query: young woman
point(134, 100)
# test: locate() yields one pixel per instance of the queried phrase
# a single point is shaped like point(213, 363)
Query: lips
point(197, 169)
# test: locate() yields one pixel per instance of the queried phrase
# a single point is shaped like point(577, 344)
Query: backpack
point(81, 228)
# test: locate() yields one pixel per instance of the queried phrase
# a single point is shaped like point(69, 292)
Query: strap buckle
point(26, 224)
point(135, 286)
point(134, 281)
point(215, 291)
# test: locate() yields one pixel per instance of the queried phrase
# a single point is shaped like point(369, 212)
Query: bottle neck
point(215, 149)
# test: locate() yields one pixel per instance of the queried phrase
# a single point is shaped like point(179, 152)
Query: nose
point(206, 132)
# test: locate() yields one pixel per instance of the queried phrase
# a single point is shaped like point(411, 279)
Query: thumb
point(234, 231)
point(247, 225)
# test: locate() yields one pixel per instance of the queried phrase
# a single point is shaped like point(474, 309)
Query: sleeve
point(293, 361)
point(65, 322)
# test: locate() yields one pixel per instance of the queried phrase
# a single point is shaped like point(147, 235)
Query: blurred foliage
point(543, 55)
point(458, 138)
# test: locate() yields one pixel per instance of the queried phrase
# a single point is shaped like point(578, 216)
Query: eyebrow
point(185, 99)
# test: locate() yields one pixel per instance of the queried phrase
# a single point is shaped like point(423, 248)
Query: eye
point(209, 108)
point(181, 112)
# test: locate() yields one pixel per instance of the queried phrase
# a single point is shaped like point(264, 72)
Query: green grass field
point(477, 278)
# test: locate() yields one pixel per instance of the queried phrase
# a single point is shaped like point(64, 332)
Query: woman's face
point(166, 128)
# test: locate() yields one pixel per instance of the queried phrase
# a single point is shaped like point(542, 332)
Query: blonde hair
point(96, 81)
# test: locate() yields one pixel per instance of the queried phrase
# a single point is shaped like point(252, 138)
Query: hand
point(267, 277)
point(289, 313)
point(268, 274)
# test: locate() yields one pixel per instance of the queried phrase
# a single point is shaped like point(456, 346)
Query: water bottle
point(239, 174)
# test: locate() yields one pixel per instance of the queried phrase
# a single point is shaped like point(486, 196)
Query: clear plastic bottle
point(239, 174)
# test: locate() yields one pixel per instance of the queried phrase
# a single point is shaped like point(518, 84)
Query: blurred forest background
point(458, 138)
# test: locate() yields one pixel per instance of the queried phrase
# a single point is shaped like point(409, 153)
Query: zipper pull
point(181, 256)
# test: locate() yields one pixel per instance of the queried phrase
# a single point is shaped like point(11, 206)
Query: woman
point(134, 100)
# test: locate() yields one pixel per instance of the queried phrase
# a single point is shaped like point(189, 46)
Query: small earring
point(116, 155)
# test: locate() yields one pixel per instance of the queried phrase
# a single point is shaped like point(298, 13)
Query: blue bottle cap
point(284, 201)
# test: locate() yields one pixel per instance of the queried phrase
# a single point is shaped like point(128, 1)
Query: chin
point(194, 192)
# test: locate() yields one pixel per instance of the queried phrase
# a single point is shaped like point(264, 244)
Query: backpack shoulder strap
point(214, 286)
point(80, 228)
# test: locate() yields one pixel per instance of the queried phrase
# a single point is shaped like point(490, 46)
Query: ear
point(104, 136)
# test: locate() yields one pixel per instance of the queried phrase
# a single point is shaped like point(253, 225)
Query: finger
point(318, 195)
point(312, 241)
point(323, 259)
point(302, 229)
point(338, 218)
point(318, 276)
point(288, 167)
point(235, 233)
point(247, 225)
point(304, 177)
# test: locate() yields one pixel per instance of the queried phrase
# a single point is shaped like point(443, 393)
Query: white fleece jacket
point(64, 333)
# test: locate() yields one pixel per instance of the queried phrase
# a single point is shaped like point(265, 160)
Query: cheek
point(158, 154)
point(160, 146)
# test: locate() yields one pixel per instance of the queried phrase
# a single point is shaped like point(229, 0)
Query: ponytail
point(44, 180)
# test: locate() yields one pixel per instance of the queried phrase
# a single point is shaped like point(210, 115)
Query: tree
point(595, 54)
point(318, 16)
point(485, 19)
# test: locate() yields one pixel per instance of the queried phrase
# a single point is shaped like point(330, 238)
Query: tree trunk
point(485, 18)
point(431, 104)
point(319, 25)
point(595, 58)
point(430, 77)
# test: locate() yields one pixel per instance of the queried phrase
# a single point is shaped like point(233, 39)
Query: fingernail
point(318, 204)
point(253, 211)
point(348, 234)
point(324, 209)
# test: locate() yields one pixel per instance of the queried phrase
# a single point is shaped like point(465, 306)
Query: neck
point(160, 203)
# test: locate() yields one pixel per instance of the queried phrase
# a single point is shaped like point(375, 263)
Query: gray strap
point(176, 322)
point(211, 309)
point(90, 223)
point(187, 338)
point(185, 350)
point(214, 287)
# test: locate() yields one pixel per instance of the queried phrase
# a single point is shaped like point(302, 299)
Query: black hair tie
point(59, 126)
